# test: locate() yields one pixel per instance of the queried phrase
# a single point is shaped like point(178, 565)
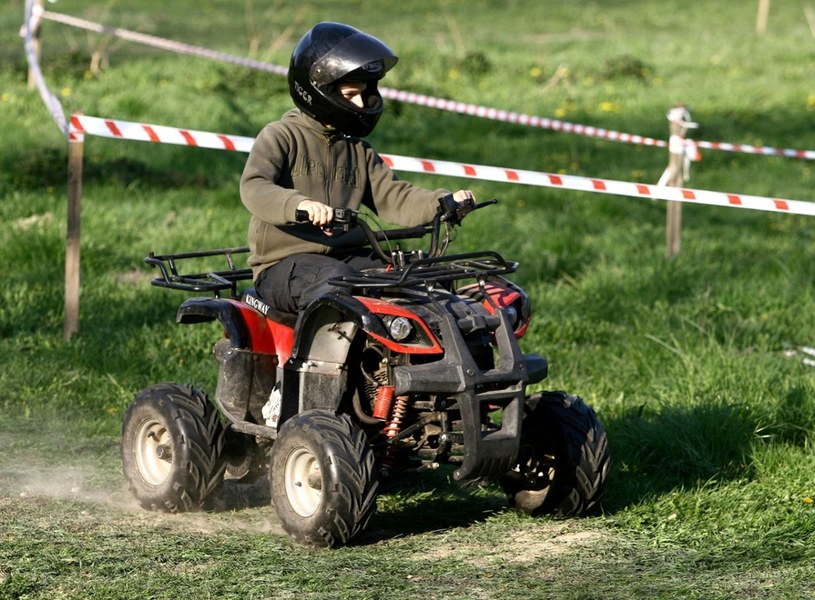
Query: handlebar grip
point(341, 215)
point(478, 205)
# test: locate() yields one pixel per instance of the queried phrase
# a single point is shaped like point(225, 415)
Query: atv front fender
point(316, 374)
point(315, 377)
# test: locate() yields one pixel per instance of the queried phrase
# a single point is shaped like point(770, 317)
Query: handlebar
point(450, 213)
point(454, 211)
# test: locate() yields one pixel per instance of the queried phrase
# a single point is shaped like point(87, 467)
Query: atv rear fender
point(249, 356)
point(244, 326)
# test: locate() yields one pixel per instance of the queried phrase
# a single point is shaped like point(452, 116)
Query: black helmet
point(328, 55)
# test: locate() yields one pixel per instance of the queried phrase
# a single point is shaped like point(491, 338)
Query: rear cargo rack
point(210, 281)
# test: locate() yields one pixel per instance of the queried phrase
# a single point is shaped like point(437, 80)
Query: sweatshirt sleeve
point(265, 186)
point(399, 202)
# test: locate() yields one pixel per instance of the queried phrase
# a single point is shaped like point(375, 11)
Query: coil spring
point(395, 422)
point(384, 399)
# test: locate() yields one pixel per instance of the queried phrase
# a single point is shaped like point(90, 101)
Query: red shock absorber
point(384, 399)
point(399, 409)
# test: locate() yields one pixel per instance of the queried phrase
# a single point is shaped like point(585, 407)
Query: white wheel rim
point(303, 482)
point(152, 437)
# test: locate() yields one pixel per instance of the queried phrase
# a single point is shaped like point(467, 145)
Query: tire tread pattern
point(347, 461)
point(562, 425)
point(198, 438)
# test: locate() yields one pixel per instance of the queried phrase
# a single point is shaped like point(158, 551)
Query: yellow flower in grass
point(609, 107)
point(811, 102)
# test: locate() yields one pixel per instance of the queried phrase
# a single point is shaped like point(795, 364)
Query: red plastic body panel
point(381, 307)
point(502, 296)
point(268, 336)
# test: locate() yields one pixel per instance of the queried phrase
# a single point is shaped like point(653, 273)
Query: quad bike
point(403, 369)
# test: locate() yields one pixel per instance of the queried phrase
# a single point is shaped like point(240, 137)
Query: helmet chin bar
point(371, 97)
point(357, 123)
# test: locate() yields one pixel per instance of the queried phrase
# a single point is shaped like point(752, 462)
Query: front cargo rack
point(209, 281)
point(431, 270)
point(422, 271)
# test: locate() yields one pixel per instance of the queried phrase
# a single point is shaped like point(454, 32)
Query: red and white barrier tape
point(162, 43)
point(127, 130)
point(475, 110)
point(82, 124)
point(31, 24)
point(401, 96)
point(763, 150)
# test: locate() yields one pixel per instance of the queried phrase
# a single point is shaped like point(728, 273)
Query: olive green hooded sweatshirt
point(298, 158)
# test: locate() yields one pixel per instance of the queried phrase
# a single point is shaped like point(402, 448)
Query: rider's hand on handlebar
point(464, 197)
point(455, 206)
point(319, 214)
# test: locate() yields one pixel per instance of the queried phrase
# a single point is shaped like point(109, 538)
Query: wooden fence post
point(763, 16)
point(76, 146)
point(675, 175)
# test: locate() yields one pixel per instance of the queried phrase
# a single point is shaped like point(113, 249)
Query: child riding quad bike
point(404, 369)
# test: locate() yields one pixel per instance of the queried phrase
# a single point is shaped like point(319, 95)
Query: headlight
point(400, 328)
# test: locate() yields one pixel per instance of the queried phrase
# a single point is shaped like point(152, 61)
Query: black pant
point(292, 283)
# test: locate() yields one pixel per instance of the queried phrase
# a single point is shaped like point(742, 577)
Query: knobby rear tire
point(172, 445)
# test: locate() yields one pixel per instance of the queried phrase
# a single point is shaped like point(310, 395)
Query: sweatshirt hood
point(311, 123)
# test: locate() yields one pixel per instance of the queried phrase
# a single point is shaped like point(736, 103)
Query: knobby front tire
point(322, 478)
point(563, 461)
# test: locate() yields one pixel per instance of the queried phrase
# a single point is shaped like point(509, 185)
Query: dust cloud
point(32, 470)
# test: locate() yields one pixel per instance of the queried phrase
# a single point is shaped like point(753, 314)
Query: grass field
point(692, 364)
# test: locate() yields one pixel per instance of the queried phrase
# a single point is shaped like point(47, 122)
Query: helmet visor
point(358, 52)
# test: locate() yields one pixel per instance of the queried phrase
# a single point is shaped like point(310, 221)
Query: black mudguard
point(202, 310)
point(316, 374)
